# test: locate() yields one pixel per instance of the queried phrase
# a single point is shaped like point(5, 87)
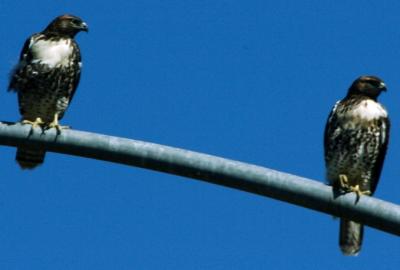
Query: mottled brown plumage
point(46, 79)
point(355, 142)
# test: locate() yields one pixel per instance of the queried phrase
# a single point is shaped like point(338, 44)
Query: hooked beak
point(84, 27)
point(382, 86)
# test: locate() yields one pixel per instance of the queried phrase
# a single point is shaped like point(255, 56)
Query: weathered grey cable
point(255, 179)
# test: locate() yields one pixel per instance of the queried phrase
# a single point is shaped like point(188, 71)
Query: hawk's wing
point(24, 58)
point(77, 71)
point(330, 127)
point(384, 130)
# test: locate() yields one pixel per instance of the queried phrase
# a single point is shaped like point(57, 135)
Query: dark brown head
point(66, 25)
point(370, 86)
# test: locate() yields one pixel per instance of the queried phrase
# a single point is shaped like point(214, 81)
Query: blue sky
point(248, 80)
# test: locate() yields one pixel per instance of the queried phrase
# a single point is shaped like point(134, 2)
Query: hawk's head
point(370, 86)
point(66, 25)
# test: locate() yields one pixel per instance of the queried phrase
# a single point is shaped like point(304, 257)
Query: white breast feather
point(52, 53)
point(369, 110)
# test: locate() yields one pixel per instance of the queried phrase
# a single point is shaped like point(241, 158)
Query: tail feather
point(350, 237)
point(29, 158)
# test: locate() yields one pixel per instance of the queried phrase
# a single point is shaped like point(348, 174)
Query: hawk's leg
point(37, 123)
point(344, 182)
point(56, 125)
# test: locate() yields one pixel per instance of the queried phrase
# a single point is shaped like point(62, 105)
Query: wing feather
point(384, 131)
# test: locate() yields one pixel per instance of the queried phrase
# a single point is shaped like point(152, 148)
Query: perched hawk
point(356, 139)
point(46, 78)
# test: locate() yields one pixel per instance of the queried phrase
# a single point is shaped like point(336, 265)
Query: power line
point(293, 189)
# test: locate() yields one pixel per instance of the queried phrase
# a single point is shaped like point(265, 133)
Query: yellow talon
point(37, 123)
point(356, 189)
point(346, 187)
point(56, 125)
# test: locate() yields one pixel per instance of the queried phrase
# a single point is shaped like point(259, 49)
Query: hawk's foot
point(37, 123)
point(55, 124)
point(356, 189)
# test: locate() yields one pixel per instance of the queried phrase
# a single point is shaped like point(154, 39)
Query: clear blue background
point(248, 80)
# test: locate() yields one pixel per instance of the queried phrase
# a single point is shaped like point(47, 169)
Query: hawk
point(355, 142)
point(46, 79)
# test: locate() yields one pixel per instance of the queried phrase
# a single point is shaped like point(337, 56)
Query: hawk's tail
point(350, 237)
point(29, 158)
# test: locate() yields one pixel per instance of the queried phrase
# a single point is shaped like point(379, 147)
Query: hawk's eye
point(76, 21)
point(374, 83)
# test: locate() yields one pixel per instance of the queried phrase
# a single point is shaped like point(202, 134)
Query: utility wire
point(293, 189)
